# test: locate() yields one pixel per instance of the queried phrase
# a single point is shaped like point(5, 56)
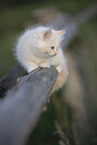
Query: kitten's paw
point(59, 69)
point(31, 68)
point(43, 65)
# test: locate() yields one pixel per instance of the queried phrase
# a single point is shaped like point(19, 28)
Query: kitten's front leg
point(30, 66)
point(44, 65)
point(59, 68)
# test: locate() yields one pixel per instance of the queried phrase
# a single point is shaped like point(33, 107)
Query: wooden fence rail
point(21, 109)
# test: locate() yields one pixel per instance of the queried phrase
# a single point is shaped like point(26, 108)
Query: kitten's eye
point(52, 47)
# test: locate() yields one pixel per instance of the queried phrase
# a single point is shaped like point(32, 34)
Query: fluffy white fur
point(40, 47)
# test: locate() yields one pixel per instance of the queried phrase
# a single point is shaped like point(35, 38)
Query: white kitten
point(40, 47)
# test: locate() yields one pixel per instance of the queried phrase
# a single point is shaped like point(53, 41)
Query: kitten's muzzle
point(55, 53)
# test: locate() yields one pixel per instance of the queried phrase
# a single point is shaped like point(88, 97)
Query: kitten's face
point(50, 41)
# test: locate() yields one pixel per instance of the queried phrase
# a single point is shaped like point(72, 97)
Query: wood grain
point(20, 110)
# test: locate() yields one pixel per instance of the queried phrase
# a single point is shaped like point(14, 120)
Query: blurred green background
point(14, 18)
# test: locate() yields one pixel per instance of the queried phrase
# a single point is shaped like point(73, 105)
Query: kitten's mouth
point(52, 55)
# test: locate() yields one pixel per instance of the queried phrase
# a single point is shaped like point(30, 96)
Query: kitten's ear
point(61, 32)
point(47, 34)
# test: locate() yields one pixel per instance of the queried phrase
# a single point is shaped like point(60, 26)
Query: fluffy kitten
point(40, 47)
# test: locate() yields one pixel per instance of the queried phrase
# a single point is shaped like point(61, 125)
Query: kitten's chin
point(52, 55)
point(47, 55)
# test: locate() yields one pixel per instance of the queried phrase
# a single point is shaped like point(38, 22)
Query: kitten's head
point(50, 40)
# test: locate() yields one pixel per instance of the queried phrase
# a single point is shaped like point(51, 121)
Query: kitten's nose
point(55, 53)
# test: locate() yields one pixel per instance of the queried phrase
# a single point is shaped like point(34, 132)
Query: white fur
point(33, 52)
